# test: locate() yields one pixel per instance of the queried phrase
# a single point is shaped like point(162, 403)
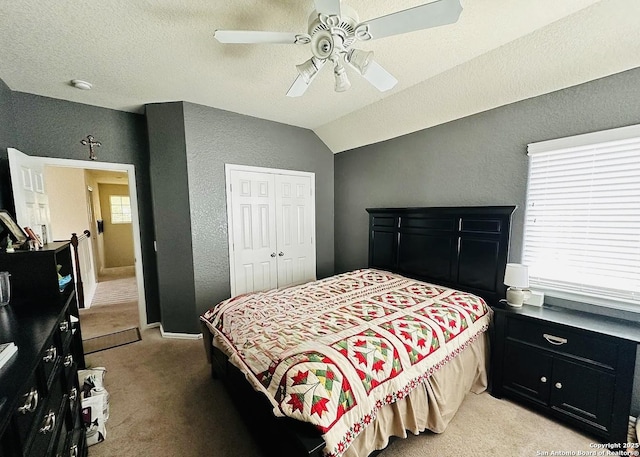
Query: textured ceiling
point(149, 51)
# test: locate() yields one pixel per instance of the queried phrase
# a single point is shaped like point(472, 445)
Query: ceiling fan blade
point(434, 14)
point(250, 37)
point(298, 87)
point(328, 7)
point(304, 80)
point(380, 78)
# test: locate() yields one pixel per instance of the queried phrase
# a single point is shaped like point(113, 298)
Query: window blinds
point(582, 221)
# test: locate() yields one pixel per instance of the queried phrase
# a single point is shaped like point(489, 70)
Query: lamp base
point(515, 297)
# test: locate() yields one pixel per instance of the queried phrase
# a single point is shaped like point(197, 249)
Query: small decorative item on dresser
point(9, 227)
point(34, 237)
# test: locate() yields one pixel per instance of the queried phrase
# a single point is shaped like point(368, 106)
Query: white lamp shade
point(516, 275)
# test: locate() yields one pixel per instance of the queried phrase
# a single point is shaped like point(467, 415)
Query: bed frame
point(464, 248)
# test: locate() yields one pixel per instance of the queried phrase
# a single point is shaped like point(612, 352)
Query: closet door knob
point(280, 253)
point(558, 385)
point(543, 379)
point(273, 254)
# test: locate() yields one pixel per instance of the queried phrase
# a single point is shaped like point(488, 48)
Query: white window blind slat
point(582, 221)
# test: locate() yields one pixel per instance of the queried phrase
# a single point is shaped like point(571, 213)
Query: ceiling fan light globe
point(342, 80)
point(308, 69)
point(360, 59)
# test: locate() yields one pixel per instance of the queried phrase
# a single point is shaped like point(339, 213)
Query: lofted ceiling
point(149, 51)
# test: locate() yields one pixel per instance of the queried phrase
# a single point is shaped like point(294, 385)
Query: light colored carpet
point(114, 291)
point(164, 403)
point(113, 308)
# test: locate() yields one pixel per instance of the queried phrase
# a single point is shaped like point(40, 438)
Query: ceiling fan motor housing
point(331, 34)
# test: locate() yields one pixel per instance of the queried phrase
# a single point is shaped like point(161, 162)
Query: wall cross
point(89, 140)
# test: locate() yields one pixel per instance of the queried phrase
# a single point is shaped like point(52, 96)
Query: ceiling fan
point(334, 28)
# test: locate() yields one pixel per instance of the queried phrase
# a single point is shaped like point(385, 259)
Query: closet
point(271, 217)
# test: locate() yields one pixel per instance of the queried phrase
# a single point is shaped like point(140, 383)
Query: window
point(582, 221)
point(120, 209)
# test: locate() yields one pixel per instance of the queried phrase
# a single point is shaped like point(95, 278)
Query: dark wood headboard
point(464, 248)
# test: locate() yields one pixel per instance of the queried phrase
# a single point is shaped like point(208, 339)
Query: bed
point(336, 367)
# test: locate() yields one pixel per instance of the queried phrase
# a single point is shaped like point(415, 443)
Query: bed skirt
point(431, 408)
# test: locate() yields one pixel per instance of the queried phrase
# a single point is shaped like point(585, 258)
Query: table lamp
point(516, 276)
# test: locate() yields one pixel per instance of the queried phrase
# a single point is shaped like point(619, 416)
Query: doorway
point(127, 174)
point(106, 253)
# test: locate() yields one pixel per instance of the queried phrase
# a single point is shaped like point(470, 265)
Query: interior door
point(253, 215)
point(295, 230)
point(29, 193)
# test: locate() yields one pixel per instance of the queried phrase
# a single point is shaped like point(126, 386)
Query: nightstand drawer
point(568, 342)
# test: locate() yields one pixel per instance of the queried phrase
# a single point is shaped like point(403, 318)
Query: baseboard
point(180, 336)
point(152, 325)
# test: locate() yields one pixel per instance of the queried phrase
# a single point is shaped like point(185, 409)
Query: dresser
point(574, 366)
point(40, 412)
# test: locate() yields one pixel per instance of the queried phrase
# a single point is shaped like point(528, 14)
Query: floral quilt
point(333, 352)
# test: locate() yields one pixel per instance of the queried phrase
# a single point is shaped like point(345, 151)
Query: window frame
point(595, 139)
point(121, 206)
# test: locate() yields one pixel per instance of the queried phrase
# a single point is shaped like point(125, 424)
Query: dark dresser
point(575, 366)
point(40, 412)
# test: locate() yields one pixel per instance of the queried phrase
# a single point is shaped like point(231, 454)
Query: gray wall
point(7, 140)
point(49, 127)
point(168, 168)
point(212, 138)
point(478, 160)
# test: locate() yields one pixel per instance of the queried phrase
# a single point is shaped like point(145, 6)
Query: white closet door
point(271, 216)
point(295, 230)
point(254, 231)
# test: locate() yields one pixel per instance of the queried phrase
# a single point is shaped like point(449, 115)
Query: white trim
point(133, 192)
point(586, 139)
point(589, 299)
point(228, 168)
point(180, 336)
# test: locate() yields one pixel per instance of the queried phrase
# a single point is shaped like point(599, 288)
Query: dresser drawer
point(568, 342)
point(47, 428)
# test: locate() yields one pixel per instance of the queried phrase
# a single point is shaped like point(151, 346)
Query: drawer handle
point(74, 451)
point(558, 385)
point(31, 403)
point(554, 339)
point(64, 326)
point(73, 395)
point(68, 361)
point(49, 422)
point(543, 379)
point(51, 354)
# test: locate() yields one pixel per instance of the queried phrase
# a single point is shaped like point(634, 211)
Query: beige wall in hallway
point(118, 238)
point(66, 189)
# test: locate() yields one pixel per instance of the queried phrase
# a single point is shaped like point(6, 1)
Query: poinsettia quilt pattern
point(333, 352)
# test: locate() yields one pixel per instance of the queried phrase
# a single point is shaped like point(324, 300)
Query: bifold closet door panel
point(254, 231)
point(295, 230)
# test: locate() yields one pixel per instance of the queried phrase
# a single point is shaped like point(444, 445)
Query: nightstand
point(575, 366)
